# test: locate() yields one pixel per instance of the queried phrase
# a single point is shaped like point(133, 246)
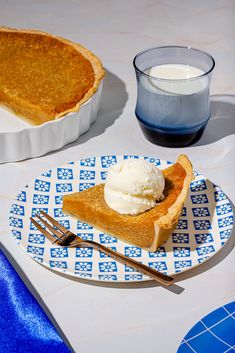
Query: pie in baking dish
point(44, 77)
point(147, 230)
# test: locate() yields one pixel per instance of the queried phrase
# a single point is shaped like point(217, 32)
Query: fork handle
point(154, 274)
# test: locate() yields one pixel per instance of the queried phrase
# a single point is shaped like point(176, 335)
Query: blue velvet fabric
point(24, 327)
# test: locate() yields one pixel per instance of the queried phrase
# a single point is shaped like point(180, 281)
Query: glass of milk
point(173, 99)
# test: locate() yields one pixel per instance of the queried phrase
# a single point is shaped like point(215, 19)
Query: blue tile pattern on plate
point(155, 161)
point(36, 238)
point(202, 259)
point(64, 187)
point(133, 277)
point(219, 195)
point(21, 196)
point(85, 186)
point(16, 234)
point(83, 275)
point(36, 210)
point(58, 212)
point(84, 252)
point(183, 264)
point(110, 266)
point(182, 224)
point(181, 251)
point(42, 185)
point(161, 252)
point(199, 199)
point(180, 238)
point(102, 254)
point(17, 209)
point(47, 174)
point(103, 175)
point(132, 251)
point(204, 226)
point(198, 185)
point(108, 277)
point(106, 161)
point(82, 225)
point(35, 250)
point(213, 333)
point(223, 209)
point(41, 199)
point(16, 222)
point(225, 234)
point(58, 264)
point(204, 250)
point(107, 239)
point(86, 236)
point(64, 173)
point(159, 266)
point(129, 269)
point(59, 252)
point(58, 199)
point(226, 221)
point(87, 174)
point(203, 238)
point(83, 266)
point(131, 157)
point(88, 162)
point(201, 212)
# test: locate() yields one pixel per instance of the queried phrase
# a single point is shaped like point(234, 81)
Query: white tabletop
point(134, 317)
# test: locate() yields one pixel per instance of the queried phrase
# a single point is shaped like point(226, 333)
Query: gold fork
point(63, 237)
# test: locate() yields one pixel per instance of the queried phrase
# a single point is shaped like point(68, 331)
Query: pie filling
point(43, 74)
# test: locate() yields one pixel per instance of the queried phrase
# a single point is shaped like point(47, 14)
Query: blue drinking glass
point(171, 111)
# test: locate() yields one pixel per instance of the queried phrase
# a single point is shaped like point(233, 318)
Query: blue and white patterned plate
point(204, 226)
point(214, 333)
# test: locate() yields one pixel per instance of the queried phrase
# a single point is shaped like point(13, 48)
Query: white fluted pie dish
point(20, 140)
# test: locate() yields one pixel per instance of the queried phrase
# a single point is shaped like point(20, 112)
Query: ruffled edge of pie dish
point(38, 140)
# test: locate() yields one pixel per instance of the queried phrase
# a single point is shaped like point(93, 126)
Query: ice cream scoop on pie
point(139, 204)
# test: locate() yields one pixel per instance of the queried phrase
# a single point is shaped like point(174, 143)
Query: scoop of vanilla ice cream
point(133, 186)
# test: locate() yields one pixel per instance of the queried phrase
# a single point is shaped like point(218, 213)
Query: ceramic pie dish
point(49, 83)
point(20, 140)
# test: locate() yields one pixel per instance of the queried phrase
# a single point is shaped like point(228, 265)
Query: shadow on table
point(222, 121)
point(113, 101)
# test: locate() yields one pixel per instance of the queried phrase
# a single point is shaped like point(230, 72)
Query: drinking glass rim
point(174, 79)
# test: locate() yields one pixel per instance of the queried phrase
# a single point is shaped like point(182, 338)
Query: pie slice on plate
point(147, 230)
point(44, 77)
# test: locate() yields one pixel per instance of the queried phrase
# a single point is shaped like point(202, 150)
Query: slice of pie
point(44, 77)
point(147, 230)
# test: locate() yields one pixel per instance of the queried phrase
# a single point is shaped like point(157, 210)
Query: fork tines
point(57, 231)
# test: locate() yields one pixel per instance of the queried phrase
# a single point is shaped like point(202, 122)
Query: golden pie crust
point(43, 77)
point(147, 230)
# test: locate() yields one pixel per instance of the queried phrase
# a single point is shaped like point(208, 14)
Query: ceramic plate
point(204, 226)
point(213, 333)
